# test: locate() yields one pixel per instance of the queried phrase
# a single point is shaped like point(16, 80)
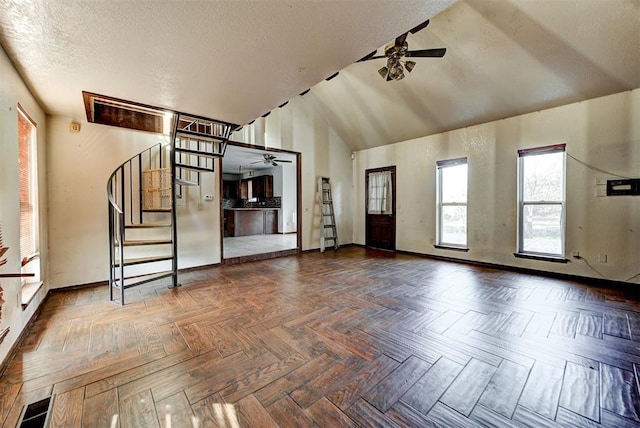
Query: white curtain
point(380, 195)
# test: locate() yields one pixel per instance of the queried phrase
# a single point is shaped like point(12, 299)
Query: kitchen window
point(452, 203)
point(541, 202)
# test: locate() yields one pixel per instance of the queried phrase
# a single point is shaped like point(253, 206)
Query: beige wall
point(79, 167)
point(299, 127)
point(603, 132)
point(13, 91)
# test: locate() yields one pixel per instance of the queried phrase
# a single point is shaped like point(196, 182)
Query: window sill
point(451, 247)
point(29, 291)
point(541, 257)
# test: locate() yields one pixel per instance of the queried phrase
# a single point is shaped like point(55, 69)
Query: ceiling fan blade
point(419, 27)
point(367, 57)
point(252, 163)
point(400, 40)
point(373, 57)
point(282, 160)
point(427, 53)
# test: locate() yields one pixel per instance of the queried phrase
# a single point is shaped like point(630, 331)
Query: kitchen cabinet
point(244, 189)
point(263, 186)
point(257, 187)
point(248, 221)
point(270, 221)
point(230, 189)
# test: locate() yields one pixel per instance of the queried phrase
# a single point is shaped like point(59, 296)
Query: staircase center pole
point(174, 225)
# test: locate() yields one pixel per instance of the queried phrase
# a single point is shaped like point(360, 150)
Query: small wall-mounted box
point(629, 186)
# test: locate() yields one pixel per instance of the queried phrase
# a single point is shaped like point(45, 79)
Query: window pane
point(26, 171)
point(542, 175)
point(454, 225)
point(454, 183)
point(542, 229)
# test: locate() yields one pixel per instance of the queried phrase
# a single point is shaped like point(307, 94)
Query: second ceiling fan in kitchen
point(270, 160)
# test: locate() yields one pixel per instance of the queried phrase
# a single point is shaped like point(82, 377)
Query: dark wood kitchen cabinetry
point(270, 221)
point(243, 189)
point(261, 187)
point(230, 189)
point(244, 222)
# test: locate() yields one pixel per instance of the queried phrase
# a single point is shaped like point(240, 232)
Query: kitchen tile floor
point(258, 244)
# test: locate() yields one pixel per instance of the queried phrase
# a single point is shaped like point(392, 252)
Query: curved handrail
point(110, 196)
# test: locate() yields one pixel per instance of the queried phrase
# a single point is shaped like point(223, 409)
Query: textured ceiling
point(504, 58)
point(232, 60)
point(235, 60)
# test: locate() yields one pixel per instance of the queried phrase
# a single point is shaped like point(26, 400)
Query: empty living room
point(320, 213)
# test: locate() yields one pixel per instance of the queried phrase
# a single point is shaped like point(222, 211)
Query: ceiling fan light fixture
point(409, 65)
point(383, 72)
point(397, 72)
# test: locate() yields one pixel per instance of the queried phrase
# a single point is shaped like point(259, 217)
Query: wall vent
point(36, 415)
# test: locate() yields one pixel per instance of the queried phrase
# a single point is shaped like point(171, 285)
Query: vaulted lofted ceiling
point(236, 60)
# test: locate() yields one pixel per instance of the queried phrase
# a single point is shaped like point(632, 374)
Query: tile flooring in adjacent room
point(258, 244)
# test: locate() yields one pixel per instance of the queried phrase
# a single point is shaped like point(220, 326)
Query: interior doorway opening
point(260, 203)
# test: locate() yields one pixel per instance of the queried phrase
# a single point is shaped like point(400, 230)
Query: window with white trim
point(27, 182)
point(452, 203)
point(541, 201)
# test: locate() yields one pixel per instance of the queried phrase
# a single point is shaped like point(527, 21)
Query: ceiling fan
point(398, 51)
point(270, 160)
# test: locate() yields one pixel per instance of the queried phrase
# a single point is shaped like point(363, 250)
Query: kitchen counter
point(250, 221)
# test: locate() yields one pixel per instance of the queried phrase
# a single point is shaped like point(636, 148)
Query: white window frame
point(440, 167)
point(522, 154)
point(30, 262)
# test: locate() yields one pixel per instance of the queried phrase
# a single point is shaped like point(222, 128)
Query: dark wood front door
point(380, 208)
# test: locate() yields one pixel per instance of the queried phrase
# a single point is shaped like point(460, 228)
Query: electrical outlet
point(602, 258)
point(575, 254)
point(208, 197)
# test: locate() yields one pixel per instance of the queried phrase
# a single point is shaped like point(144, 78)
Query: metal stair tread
point(157, 210)
point(182, 182)
point(146, 225)
point(203, 154)
point(201, 135)
point(133, 242)
point(142, 260)
point(194, 167)
point(131, 281)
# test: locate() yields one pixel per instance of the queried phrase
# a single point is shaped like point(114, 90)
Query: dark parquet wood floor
point(346, 338)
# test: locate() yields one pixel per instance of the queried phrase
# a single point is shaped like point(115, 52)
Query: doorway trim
point(263, 256)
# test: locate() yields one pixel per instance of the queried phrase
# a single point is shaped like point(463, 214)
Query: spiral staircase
point(142, 194)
